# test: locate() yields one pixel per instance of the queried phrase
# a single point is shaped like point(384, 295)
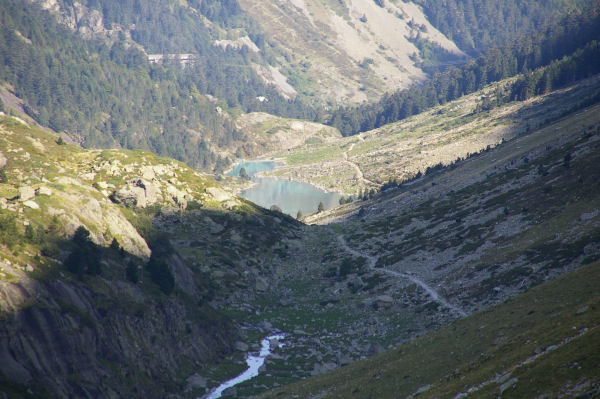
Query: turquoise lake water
point(288, 195)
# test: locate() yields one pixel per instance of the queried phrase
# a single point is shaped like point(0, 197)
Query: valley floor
point(423, 255)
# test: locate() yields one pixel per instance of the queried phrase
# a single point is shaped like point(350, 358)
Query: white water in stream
point(253, 362)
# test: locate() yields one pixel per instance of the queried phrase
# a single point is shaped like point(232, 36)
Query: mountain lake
point(289, 195)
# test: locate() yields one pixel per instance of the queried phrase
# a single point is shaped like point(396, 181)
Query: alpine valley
point(432, 227)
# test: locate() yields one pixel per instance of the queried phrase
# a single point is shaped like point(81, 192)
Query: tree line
point(109, 95)
point(476, 25)
point(566, 47)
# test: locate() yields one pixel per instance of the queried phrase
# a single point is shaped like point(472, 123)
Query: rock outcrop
point(218, 194)
point(137, 193)
point(85, 344)
point(26, 193)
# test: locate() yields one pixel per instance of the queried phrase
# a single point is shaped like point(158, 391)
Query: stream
point(253, 362)
point(289, 195)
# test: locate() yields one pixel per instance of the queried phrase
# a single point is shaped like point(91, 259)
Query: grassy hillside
point(442, 135)
point(543, 342)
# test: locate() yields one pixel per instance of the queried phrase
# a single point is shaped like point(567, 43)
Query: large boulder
point(261, 284)
point(383, 302)
point(26, 193)
point(138, 193)
point(44, 191)
point(241, 346)
point(178, 196)
point(322, 368)
point(195, 381)
point(31, 204)
point(218, 194)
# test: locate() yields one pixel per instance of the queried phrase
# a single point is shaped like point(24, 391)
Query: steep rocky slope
point(453, 243)
point(450, 244)
point(408, 261)
point(110, 331)
point(348, 51)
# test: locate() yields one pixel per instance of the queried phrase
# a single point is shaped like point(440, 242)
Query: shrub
point(81, 236)
point(84, 260)
point(243, 174)
point(131, 273)
point(85, 256)
point(161, 275)
point(9, 233)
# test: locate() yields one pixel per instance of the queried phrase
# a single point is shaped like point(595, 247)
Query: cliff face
point(119, 328)
point(75, 340)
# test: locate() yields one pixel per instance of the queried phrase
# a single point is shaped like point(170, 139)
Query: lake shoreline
point(265, 175)
point(289, 194)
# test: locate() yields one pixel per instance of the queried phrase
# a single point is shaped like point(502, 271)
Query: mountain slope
point(543, 342)
point(475, 25)
point(400, 151)
point(348, 51)
point(97, 297)
point(420, 256)
point(413, 258)
point(104, 92)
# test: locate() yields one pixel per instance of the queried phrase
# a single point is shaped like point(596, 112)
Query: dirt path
point(358, 173)
point(373, 261)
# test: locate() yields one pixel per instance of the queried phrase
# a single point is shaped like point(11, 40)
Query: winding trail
point(372, 261)
point(357, 172)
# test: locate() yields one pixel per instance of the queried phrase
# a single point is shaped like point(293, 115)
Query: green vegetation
point(85, 255)
point(568, 48)
point(244, 174)
point(321, 207)
point(540, 341)
point(475, 25)
point(161, 275)
point(160, 247)
point(110, 95)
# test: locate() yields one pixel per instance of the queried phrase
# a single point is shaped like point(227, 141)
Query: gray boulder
point(383, 302)
point(44, 191)
point(218, 194)
point(323, 368)
point(194, 381)
point(374, 349)
point(26, 193)
point(261, 284)
point(138, 193)
point(177, 196)
point(241, 346)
